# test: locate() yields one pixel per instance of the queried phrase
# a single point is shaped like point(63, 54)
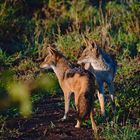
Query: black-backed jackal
point(103, 67)
point(73, 80)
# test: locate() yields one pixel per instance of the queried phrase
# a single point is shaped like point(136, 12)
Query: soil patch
point(45, 123)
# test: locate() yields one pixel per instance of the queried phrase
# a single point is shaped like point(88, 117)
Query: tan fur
point(73, 80)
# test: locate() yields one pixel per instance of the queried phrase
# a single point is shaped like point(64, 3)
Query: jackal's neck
point(61, 67)
point(99, 65)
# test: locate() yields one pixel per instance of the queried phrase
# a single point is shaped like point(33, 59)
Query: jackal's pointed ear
point(85, 40)
point(97, 52)
point(90, 44)
point(95, 48)
point(51, 50)
point(94, 45)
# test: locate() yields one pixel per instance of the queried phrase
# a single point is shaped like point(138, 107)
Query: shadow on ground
point(45, 123)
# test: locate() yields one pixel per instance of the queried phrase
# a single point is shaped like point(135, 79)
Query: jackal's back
point(83, 82)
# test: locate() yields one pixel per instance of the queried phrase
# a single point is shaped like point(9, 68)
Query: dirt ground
point(45, 123)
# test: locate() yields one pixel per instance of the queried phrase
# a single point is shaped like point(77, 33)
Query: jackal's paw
point(77, 126)
point(63, 119)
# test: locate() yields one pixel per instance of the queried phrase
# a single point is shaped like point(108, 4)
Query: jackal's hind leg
point(94, 127)
point(67, 104)
point(76, 97)
point(111, 92)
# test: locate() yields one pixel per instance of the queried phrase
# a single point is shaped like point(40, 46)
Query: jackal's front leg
point(94, 127)
point(101, 99)
point(67, 104)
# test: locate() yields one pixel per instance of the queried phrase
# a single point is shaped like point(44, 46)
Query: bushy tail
point(84, 105)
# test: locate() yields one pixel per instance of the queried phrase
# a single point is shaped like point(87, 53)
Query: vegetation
point(28, 27)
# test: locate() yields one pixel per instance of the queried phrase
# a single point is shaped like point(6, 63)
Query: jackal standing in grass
point(104, 69)
point(73, 80)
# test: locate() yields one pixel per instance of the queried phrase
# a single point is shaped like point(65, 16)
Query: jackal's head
point(90, 52)
point(51, 59)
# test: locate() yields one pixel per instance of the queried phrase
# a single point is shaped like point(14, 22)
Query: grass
point(115, 132)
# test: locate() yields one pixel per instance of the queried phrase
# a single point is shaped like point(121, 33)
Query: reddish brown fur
point(73, 80)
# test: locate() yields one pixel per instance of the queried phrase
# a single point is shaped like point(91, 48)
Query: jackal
point(103, 67)
point(73, 80)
